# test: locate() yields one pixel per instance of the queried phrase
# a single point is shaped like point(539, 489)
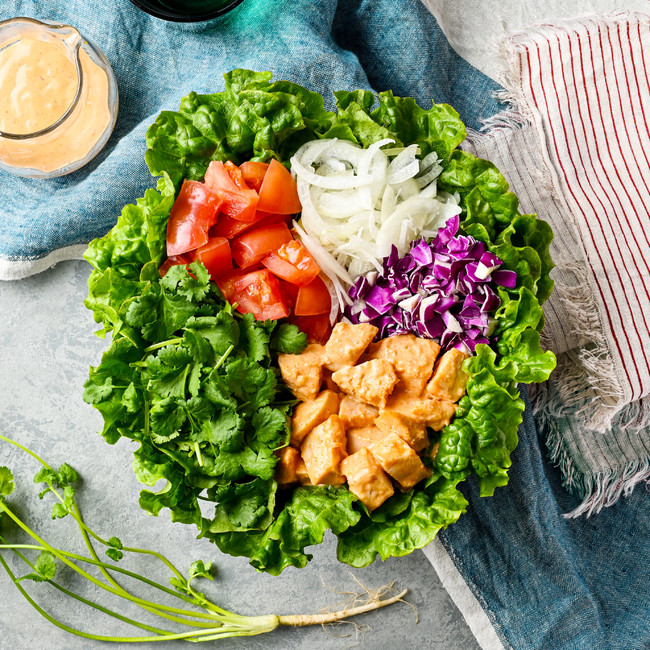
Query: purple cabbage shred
point(444, 289)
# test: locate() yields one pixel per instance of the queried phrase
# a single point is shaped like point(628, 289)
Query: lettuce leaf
point(302, 522)
point(394, 534)
point(252, 119)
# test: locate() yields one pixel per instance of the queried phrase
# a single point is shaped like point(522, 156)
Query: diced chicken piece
point(412, 357)
point(362, 437)
point(371, 382)
point(323, 450)
point(354, 413)
point(435, 413)
point(301, 472)
point(449, 379)
point(303, 372)
point(411, 431)
point(285, 468)
point(400, 461)
point(311, 413)
point(366, 479)
point(347, 343)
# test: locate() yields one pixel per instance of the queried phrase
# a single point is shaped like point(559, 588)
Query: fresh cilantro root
point(204, 621)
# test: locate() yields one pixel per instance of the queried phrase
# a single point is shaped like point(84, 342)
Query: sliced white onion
point(335, 182)
point(358, 203)
point(335, 306)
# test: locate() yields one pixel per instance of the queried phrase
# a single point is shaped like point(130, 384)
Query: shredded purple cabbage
point(444, 290)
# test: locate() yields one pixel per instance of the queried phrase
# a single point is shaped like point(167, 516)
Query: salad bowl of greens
point(194, 383)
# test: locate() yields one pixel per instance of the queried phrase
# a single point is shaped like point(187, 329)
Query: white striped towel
point(576, 150)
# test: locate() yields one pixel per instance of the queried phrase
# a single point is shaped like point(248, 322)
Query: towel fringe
point(600, 490)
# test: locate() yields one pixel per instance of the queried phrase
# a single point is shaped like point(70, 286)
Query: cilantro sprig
point(203, 620)
point(192, 381)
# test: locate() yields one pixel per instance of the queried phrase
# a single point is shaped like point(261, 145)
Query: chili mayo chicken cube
point(285, 469)
point(301, 472)
point(449, 380)
point(347, 343)
point(371, 382)
point(412, 358)
point(366, 479)
point(434, 413)
point(411, 431)
point(303, 373)
point(311, 413)
point(323, 450)
point(362, 437)
point(354, 413)
point(400, 461)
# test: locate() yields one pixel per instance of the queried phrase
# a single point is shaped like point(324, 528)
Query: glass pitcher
point(58, 98)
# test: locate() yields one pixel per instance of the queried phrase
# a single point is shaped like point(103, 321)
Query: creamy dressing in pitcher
point(38, 84)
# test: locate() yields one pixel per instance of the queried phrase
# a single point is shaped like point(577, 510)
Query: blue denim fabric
point(550, 583)
point(380, 44)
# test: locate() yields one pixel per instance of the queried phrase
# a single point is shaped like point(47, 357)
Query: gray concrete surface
point(47, 344)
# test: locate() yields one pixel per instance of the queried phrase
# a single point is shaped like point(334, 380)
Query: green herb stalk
point(196, 617)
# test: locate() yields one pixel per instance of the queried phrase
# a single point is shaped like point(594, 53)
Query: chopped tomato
point(292, 262)
point(215, 256)
point(229, 228)
point(191, 216)
point(173, 260)
point(279, 192)
point(253, 173)
point(239, 201)
point(258, 293)
point(289, 293)
point(313, 299)
point(256, 244)
point(226, 283)
point(317, 328)
point(236, 175)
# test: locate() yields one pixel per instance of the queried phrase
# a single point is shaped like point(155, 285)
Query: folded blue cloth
point(544, 582)
point(549, 582)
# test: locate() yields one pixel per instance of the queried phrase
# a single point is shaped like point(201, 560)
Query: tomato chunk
point(226, 283)
point(229, 228)
point(173, 260)
point(215, 256)
point(254, 245)
point(317, 328)
point(239, 201)
point(293, 262)
point(253, 173)
point(313, 299)
point(289, 293)
point(258, 293)
point(192, 214)
point(279, 192)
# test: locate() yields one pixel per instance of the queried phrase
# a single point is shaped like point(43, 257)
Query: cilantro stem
point(83, 528)
point(197, 451)
point(126, 572)
point(87, 575)
point(76, 514)
point(28, 451)
point(223, 357)
point(90, 603)
point(162, 344)
point(96, 637)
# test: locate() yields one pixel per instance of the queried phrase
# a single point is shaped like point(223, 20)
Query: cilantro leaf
point(7, 485)
point(288, 339)
point(225, 431)
point(45, 567)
